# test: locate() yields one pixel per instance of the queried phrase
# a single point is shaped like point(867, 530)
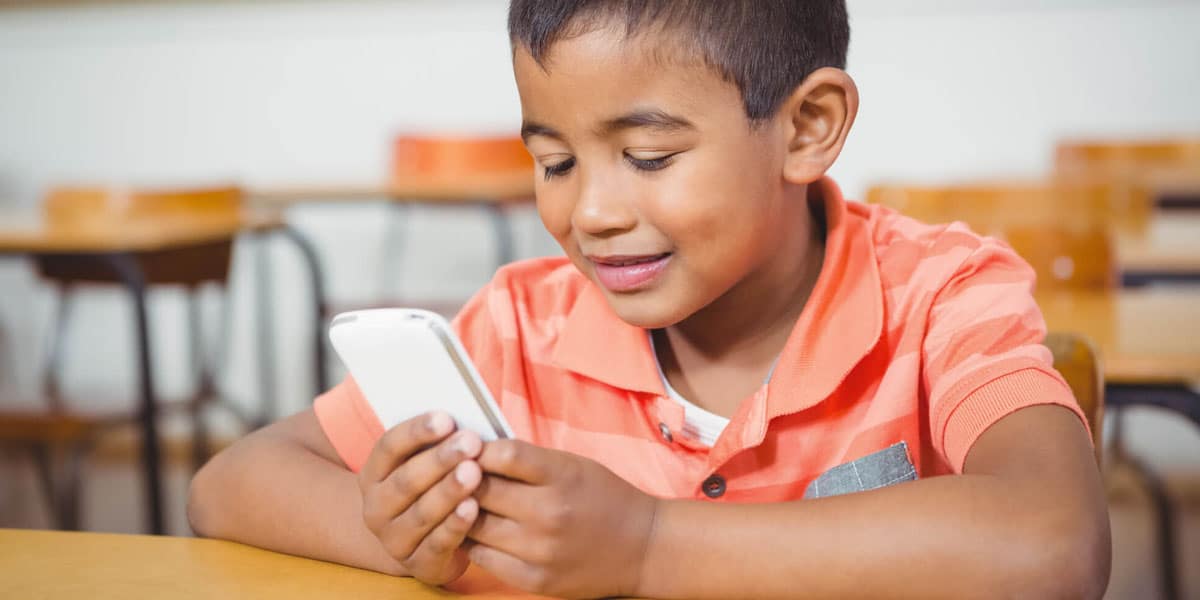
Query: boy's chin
point(650, 309)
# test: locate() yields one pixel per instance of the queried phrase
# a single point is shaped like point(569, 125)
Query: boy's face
point(650, 176)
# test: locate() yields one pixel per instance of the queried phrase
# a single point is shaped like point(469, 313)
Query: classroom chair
point(1076, 359)
point(990, 207)
point(1125, 156)
point(58, 432)
point(1169, 168)
point(1066, 257)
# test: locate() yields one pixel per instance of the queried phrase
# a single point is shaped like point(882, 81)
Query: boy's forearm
point(273, 493)
point(949, 537)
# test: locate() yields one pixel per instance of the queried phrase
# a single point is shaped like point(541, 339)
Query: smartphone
point(408, 362)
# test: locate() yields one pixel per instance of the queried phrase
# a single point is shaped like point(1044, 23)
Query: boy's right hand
point(416, 489)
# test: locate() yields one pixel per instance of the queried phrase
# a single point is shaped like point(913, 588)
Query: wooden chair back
point(103, 207)
point(1076, 359)
point(1067, 258)
point(991, 208)
point(1126, 157)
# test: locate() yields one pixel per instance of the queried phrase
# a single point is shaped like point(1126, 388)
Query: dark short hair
point(764, 47)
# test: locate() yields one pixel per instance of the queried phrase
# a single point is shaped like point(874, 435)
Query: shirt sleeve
point(350, 423)
point(983, 351)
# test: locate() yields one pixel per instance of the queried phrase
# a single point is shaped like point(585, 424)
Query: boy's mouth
point(627, 273)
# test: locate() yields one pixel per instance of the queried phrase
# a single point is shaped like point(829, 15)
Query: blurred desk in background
point(1145, 336)
point(135, 253)
point(1166, 249)
point(58, 565)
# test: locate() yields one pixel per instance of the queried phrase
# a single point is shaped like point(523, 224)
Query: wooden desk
point(1168, 248)
point(124, 248)
point(29, 233)
point(1146, 336)
point(99, 566)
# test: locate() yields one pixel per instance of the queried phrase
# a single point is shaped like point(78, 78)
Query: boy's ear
point(816, 119)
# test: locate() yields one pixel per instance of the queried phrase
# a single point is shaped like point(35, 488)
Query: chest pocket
point(880, 469)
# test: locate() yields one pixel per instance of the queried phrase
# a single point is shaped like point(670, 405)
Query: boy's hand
point(560, 524)
point(416, 488)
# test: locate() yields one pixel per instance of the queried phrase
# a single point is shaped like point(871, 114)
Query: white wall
point(311, 91)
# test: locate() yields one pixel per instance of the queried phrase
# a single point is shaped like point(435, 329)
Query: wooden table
point(124, 247)
point(50, 565)
point(1167, 249)
point(1145, 335)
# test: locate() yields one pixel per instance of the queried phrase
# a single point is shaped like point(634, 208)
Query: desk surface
point(100, 566)
point(1145, 335)
point(1170, 243)
point(28, 232)
point(483, 188)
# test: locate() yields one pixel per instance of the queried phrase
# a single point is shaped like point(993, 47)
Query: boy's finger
point(411, 480)
point(505, 497)
point(407, 531)
point(499, 533)
point(507, 567)
point(449, 536)
point(404, 440)
point(517, 460)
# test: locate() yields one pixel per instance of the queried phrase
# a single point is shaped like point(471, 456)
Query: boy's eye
point(650, 164)
point(561, 168)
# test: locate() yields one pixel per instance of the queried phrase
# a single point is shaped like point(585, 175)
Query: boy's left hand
point(560, 524)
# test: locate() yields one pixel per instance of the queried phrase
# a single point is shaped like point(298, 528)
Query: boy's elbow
point(1075, 558)
point(203, 496)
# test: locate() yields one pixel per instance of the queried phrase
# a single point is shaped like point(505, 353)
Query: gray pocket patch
point(880, 469)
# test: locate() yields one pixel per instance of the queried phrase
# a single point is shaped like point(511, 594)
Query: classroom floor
point(113, 494)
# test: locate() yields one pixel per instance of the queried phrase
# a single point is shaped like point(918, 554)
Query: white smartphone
point(408, 362)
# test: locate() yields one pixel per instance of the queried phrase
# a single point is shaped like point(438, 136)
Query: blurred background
point(353, 130)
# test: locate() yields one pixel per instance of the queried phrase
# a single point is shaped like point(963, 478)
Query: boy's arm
point(285, 488)
point(1027, 519)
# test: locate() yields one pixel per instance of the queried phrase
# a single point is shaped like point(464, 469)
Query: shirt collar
point(841, 322)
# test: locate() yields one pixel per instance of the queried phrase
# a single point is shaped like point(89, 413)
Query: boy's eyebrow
point(652, 119)
point(530, 129)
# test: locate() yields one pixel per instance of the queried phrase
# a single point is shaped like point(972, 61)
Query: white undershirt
point(698, 424)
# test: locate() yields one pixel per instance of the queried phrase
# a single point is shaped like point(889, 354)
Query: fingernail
point(464, 509)
point(463, 473)
point(468, 445)
point(440, 423)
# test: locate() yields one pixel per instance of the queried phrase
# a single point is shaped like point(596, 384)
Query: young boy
point(727, 349)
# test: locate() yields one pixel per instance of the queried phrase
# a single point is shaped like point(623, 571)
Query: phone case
point(408, 362)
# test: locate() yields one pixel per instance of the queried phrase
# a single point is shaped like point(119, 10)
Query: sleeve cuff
point(997, 399)
point(348, 422)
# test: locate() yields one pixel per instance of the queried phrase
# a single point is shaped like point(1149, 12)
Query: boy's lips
point(626, 273)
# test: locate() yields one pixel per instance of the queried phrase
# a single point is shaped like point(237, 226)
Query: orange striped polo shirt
point(924, 334)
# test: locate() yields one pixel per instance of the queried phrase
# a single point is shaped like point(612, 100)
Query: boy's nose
point(603, 210)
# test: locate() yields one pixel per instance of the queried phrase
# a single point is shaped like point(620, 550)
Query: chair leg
point(205, 390)
point(1160, 503)
point(264, 328)
point(60, 472)
point(44, 462)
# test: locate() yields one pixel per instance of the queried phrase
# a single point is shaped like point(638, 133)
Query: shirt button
point(666, 432)
point(714, 486)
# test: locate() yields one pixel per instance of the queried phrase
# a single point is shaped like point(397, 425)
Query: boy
point(725, 337)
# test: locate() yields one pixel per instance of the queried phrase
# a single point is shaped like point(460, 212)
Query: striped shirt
point(924, 334)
